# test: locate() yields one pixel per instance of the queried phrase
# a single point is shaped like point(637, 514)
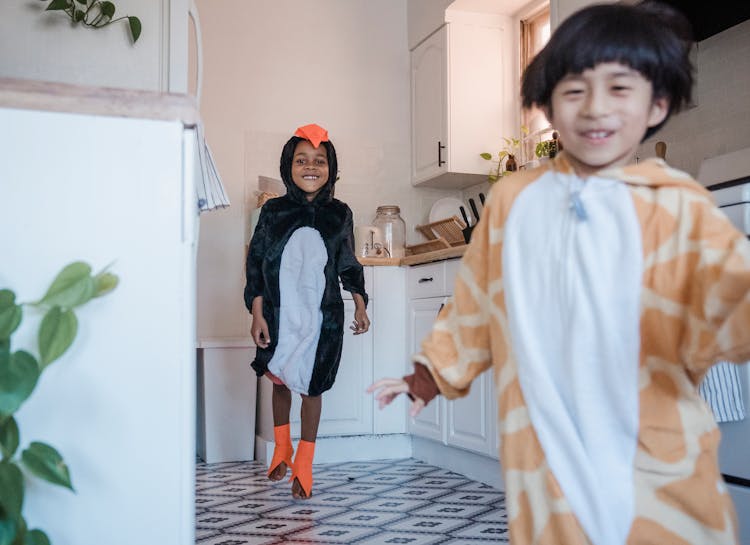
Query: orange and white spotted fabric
point(659, 292)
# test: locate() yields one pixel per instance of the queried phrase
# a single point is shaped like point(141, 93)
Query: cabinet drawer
point(451, 272)
point(426, 280)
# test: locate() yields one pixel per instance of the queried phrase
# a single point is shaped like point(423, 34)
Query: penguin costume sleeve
point(299, 251)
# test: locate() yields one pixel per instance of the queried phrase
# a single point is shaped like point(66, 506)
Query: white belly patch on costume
point(301, 287)
point(572, 264)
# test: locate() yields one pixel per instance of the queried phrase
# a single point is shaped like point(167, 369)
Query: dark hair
point(651, 38)
point(287, 156)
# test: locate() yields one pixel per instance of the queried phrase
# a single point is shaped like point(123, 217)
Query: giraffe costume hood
point(600, 304)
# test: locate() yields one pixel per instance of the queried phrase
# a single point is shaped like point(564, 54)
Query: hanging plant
point(94, 14)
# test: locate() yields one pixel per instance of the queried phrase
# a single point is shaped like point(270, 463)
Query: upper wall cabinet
point(461, 99)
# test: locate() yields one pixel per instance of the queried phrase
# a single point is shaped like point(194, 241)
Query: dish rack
point(441, 234)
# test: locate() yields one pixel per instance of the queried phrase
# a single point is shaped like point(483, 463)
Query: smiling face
point(602, 114)
point(309, 168)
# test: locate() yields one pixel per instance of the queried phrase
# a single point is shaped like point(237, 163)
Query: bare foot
point(278, 472)
point(298, 492)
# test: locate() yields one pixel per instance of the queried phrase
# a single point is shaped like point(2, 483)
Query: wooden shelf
point(437, 255)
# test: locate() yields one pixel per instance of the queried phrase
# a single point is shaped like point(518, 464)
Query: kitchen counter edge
point(418, 259)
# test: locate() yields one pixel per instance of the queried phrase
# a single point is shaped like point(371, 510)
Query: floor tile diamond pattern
point(362, 503)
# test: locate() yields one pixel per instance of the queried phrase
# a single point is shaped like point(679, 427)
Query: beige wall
point(720, 122)
point(424, 17)
point(273, 65)
point(45, 46)
point(561, 9)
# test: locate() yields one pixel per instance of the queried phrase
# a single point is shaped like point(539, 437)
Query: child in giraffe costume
point(600, 291)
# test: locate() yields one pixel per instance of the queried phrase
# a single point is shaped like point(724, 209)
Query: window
point(535, 32)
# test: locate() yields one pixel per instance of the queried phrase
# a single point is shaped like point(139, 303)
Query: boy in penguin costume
point(302, 247)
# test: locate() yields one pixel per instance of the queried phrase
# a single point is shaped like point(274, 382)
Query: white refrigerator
point(108, 178)
point(727, 176)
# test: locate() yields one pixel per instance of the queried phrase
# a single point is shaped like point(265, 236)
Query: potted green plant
point(547, 149)
point(505, 161)
point(74, 286)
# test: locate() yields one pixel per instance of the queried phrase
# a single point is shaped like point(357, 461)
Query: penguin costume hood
point(299, 252)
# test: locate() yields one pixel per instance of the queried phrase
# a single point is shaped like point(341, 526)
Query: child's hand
point(259, 331)
point(386, 390)
point(361, 322)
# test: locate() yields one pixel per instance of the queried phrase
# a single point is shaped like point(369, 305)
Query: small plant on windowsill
point(19, 373)
point(94, 14)
point(505, 161)
point(548, 148)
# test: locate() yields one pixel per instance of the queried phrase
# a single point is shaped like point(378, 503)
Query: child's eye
point(321, 162)
point(572, 92)
point(620, 88)
point(300, 161)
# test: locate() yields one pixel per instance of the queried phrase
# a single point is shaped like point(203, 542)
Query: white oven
point(728, 178)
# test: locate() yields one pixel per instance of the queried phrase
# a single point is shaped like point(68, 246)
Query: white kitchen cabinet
point(468, 422)
point(226, 400)
point(461, 102)
point(157, 62)
point(430, 422)
point(468, 418)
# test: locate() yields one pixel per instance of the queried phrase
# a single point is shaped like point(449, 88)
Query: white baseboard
point(361, 448)
point(357, 448)
point(477, 467)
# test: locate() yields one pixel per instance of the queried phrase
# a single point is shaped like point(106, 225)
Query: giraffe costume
point(600, 306)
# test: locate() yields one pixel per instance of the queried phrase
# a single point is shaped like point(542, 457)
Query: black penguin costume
point(279, 219)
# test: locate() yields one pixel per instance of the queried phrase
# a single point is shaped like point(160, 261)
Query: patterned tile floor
point(381, 502)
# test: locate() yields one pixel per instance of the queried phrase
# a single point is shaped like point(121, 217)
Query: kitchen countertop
point(418, 259)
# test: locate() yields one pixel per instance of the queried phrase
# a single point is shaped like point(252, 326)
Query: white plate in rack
point(445, 208)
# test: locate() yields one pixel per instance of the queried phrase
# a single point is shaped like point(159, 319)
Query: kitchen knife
point(474, 208)
point(463, 213)
point(481, 198)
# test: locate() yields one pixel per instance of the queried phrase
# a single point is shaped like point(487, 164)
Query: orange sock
point(283, 450)
point(302, 468)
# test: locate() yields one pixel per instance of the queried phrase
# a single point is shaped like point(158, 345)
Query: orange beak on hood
point(314, 133)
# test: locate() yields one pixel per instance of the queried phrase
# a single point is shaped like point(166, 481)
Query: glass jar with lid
point(392, 228)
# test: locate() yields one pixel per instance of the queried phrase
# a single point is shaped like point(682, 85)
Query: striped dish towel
point(722, 390)
point(209, 189)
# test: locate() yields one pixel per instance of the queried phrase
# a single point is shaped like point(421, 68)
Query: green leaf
point(104, 282)
point(486, 155)
point(135, 28)
point(107, 8)
point(59, 4)
point(18, 375)
point(78, 15)
point(9, 437)
point(36, 537)
point(56, 334)
point(46, 463)
point(10, 313)
point(11, 489)
point(7, 531)
point(72, 287)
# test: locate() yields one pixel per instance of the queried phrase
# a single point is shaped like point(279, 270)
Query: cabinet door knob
point(423, 280)
point(440, 154)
